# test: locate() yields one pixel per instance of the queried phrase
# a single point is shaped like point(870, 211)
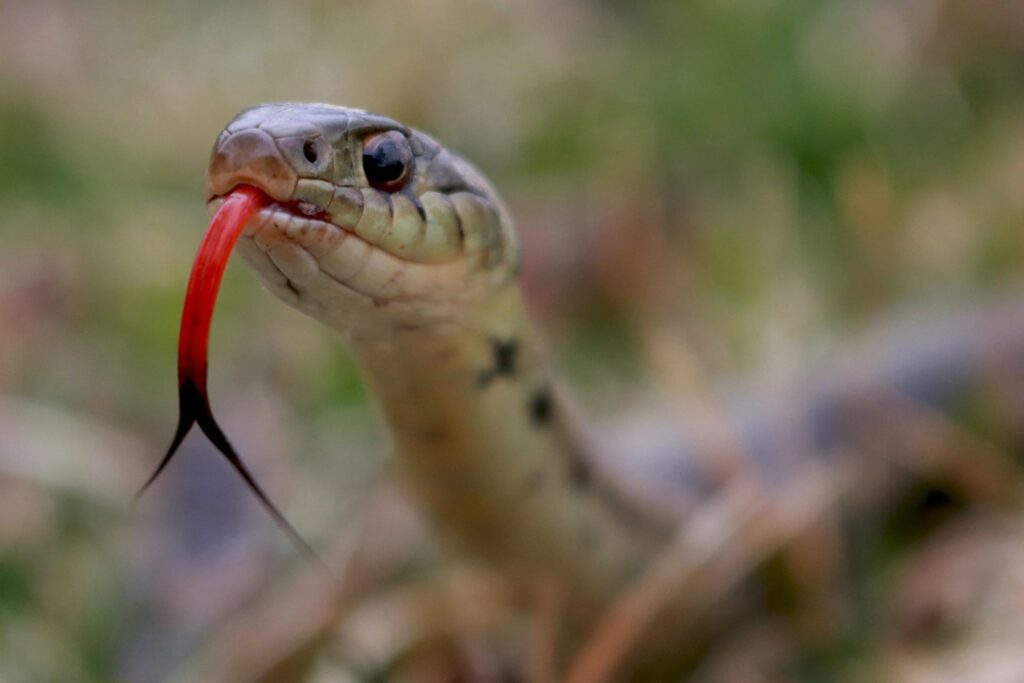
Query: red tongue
point(204, 281)
point(200, 297)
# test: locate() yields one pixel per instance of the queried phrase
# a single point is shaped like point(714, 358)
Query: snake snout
point(250, 156)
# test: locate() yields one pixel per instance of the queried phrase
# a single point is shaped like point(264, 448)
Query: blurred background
point(788, 171)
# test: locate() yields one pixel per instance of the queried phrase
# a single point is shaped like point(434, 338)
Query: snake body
point(420, 280)
point(408, 252)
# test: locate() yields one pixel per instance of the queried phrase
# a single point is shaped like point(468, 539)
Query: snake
point(408, 252)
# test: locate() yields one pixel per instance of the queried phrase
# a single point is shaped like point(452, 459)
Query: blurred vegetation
point(808, 163)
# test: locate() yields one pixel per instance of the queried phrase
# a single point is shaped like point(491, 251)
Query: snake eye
point(309, 151)
point(387, 159)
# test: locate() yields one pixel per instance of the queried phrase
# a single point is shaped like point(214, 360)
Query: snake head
point(372, 226)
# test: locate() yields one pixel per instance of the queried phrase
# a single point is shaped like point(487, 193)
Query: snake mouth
point(304, 223)
point(303, 211)
point(361, 251)
point(294, 244)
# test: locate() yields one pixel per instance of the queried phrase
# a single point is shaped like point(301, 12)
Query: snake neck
point(485, 441)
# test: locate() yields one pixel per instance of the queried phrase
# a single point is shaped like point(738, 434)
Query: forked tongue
point(200, 297)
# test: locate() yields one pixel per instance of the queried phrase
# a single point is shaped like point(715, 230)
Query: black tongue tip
point(194, 408)
point(191, 403)
point(213, 432)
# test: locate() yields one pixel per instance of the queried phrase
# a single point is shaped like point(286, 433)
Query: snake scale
point(407, 251)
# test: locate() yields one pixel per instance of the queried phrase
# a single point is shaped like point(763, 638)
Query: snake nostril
point(309, 151)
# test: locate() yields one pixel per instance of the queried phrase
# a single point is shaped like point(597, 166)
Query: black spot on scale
point(458, 226)
point(419, 207)
point(504, 361)
point(542, 407)
point(580, 475)
point(505, 356)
